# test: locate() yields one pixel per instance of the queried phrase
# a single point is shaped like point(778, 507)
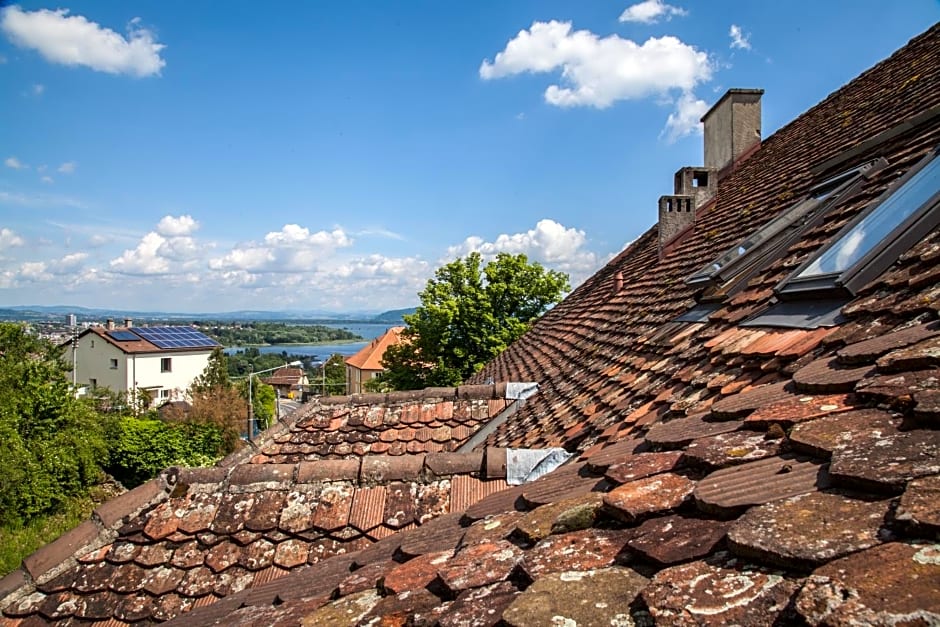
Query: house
point(158, 362)
point(748, 394)
point(288, 382)
point(367, 363)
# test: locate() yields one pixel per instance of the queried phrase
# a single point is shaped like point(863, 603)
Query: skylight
point(723, 268)
point(874, 227)
point(872, 241)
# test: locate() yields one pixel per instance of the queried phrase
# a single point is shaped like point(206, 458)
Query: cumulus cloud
point(75, 40)
point(9, 239)
point(68, 167)
point(169, 249)
point(686, 119)
point(650, 12)
point(292, 249)
point(13, 162)
point(550, 243)
point(739, 39)
point(171, 226)
point(599, 71)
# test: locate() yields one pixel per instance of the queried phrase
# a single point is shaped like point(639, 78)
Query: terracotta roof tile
point(883, 585)
point(620, 380)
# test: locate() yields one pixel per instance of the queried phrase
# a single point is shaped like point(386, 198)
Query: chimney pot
point(732, 126)
point(618, 282)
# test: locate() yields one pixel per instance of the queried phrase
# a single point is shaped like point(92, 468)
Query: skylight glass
point(873, 228)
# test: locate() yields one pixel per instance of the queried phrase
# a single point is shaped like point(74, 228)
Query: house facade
point(124, 361)
point(288, 382)
point(367, 363)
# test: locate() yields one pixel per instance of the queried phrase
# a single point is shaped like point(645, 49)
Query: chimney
point(109, 325)
point(128, 322)
point(618, 282)
point(676, 213)
point(732, 126)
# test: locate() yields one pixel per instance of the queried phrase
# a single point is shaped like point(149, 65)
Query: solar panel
point(123, 336)
point(175, 337)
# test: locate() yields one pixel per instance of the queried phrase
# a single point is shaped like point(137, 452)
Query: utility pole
point(251, 401)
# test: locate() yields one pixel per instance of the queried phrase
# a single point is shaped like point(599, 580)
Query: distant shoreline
point(322, 343)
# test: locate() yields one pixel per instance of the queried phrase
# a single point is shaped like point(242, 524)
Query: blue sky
point(170, 155)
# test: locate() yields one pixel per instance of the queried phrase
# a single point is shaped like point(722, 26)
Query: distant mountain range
point(53, 312)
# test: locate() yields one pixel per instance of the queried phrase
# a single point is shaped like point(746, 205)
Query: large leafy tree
point(51, 444)
point(469, 313)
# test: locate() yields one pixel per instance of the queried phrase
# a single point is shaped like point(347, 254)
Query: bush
point(142, 447)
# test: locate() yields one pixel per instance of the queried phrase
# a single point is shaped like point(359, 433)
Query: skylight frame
point(882, 253)
point(820, 198)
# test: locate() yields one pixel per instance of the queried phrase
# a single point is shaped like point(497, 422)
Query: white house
point(161, 361)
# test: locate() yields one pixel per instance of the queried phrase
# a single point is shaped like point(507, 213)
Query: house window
point(166, 364)
point(164, 393)
point(871, 242)
point(114, 364)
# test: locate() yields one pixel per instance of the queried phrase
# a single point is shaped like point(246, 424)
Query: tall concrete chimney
point(128, 322)
point(109, 324)
point(732, 126)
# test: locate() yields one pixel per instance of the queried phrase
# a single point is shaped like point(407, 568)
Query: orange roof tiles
point(370, 356)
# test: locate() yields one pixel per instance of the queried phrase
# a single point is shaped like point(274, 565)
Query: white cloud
point(550, 243)
point(9, 239)
point(47, 180)
point(168, 250)
point(75, 40)
point(599, 71)
point(171, 226)
point(292, 249)
point(649, 12)
point(68, 167)
point(38, 89)
point(739, 39)
point(686, 119)
point(13, 162)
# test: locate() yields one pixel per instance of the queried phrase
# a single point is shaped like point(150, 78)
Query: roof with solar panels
point(155, 339)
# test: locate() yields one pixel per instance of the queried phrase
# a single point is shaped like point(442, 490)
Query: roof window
point(746, 255)
point(871, 242)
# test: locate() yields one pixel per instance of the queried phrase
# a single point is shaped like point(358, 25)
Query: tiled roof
point(370, 356)
point(724, 474)
point(285, 376)
point(425, 421)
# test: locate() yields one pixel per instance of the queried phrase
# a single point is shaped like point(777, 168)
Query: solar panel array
point(175, 337)
point(124, 336)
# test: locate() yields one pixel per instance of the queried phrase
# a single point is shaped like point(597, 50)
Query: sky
point(178, 156)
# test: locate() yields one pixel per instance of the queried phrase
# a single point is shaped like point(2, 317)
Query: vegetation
point(240, 362)
point(56, 449)
point(330, 377)
point(51, 444)
point(469, 313)
point(261, 333)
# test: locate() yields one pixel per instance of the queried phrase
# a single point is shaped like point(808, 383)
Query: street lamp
point(251, 398)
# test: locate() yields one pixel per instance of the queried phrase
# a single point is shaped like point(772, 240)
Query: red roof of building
point(370, 356)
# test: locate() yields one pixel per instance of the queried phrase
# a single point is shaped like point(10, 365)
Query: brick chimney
point(732, 126)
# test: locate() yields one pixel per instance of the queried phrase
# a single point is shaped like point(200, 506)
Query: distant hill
point(55, 312)
point(394, 315)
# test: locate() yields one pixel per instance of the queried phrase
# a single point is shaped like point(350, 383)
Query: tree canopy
point(469, 313)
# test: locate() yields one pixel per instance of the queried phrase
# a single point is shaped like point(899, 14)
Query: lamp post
point(251, 397)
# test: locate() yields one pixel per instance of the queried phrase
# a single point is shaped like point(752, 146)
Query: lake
point(368, 330)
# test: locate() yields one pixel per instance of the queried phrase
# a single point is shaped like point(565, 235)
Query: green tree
point(215, 374)
point(469, 313)
point(330, 377)
point(51, 444)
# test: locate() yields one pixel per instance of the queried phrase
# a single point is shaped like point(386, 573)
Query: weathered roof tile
point(807, 530)
point(641, 498)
